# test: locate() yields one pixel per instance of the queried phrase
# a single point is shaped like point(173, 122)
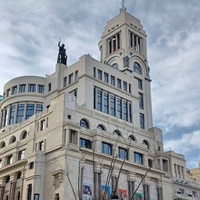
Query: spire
point(123, 8)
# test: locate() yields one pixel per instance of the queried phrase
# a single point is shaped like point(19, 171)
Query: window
point(20, 113)
point(106, 148)
point(146, 144)
point(76, 76)
point(117, 132)
point(125, 86)
point(21, 154)
point(29, 192)
point(115, 66)
point(112, 79)
point(2, 144)
point(70, 78)
point(12, 140)
point(150, 163)
point(105, 103)
point(41, 89)
point(73, 136)
point(65, 81)
point(119, 108)
point(165, 165)
point(99, 100)
point(101, 127)
point(142, 124)
point(42, 125)
point(39, 108)
point(113, 43)
point(31, 87)
point(31, 165)
point(99, 73)
point(1, 163)
point(137, 68)
point(112, 105)
point(119, 83)
point(138, 158)
point(122, 153)
point(30, 110)
point(140, 84)
point(9, 159)
point(106, 77)
point(132, 137)
point(85, 143)
point(135, 42)
point(41, 146)
point(14, 90)
point(84, 123)
point(7, 179)
point(94, 72)
point(49, 87)
point(125, 110)
point(129, 88)
point(24, 134)
point(141, 101)
point(12, 114)
point(8, 93)
point(22, 88)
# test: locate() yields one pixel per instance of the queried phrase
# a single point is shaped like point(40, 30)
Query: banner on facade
point(122, 194)
point(87, 191)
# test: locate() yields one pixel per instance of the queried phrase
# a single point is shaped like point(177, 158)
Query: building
point(86, 131)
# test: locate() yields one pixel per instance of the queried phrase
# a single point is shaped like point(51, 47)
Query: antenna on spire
point(123, 8)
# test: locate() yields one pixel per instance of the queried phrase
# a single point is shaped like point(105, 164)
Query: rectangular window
point(138, 158)
point(113, 43)
point(119, 108)
point(21, 154)
point(142, 123)
point(31, 88)
point(39, 108)
point(125, 86)
point(119, 83)
point(14, 90)
point(42, 125)
point(8, 93)
point(99, 100)
point(9, 159)
point(29, 192)
point(106, 77)
point(141, 101)
point(49, 87)
point(22, 88)
point(105, 103)
point(73, 136)
point(85, 143)
point(70, 78)
point(125, 110)
point(94, 72)
point(112, 105)
point(64, 81)
point(41, 146)
point(76, 76)
point(30, 110)
point(20, 113)
point(135, 42)
point(112, 79)
point(99, 73)
point(140, 84)
point(122, 153)
point(41, 89)
point(12, 114)
point(129, 88)
point(106, 148)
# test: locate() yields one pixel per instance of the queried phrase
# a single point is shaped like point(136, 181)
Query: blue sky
point(30, 31)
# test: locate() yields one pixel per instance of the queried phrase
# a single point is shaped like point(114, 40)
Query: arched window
point(131, 137)
point(101, 127)
point(137, 68)
point(2, 144)
point(12, 139)
point(146, 143)
point(115, 66)
point(117, 132)
point(23, 135)
point(84, 123)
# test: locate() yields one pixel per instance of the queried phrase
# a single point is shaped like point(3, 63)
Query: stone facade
point(86, 131)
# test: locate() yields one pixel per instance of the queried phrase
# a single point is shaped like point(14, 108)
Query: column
point(97, 182)
point(131, 188)
point(146, 191)
point(2, 188)
point(13, 179)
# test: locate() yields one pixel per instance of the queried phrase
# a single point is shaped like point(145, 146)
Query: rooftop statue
point(62, 56)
